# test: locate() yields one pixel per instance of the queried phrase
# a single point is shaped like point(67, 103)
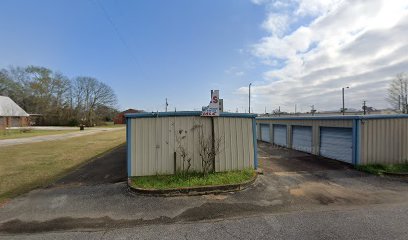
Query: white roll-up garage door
point(280, 135)
point(265, 133)
point(337, 143)
point(302, 138)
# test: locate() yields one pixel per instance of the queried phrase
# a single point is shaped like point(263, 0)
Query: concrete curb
point(193, 191)
point(404, 175)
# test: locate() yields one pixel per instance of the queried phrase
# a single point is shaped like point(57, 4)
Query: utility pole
point(167, 104)
point(265, 109)
point(313, 110)
point(295, 109)
point(249, 98)
point(343, 109)
point(364, 107)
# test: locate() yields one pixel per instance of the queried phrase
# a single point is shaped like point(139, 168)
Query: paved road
point(298, 197)
point(381, 222)
point(17, 141)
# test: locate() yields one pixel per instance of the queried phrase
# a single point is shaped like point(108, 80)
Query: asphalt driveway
point(93, 198)
point(108, 168)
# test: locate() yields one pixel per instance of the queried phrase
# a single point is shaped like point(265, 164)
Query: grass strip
point(379, 169)
point(193, 179)
point(25, 167)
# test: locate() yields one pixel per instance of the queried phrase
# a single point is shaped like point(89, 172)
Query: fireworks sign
point(213, 109)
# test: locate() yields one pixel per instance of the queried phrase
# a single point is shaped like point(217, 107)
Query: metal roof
point(341, 117)
point(185, 114)
point(8, 108)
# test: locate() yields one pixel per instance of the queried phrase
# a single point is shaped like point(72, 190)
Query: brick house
point(120, 118)
point(12, 115)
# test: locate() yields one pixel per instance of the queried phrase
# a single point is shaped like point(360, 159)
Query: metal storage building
point(152, 139)
point(352, 139)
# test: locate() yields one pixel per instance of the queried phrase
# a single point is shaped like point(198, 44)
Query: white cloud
point(234, 71)
point(356, 43)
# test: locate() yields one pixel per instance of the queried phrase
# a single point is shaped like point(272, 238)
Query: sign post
point(212, 110)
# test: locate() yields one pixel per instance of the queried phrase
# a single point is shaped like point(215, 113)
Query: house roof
point(8, 108)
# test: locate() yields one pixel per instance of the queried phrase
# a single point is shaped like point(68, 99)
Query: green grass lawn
point(110, 125)
point(380, 168)
point(23, 133)
point(192, 179)
point(25, 167)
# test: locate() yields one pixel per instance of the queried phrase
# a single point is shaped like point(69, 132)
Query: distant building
point(12, 115)
point(120, 118)
point(353, 112)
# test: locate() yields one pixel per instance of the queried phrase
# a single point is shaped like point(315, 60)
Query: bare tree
point(182, 151)
point(398, 92)
point(209, 148)
point(89, 94)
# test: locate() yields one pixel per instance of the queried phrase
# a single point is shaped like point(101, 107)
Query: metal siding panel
point(135, 146)
point(163, 146)
point(237, 158)
point(336, 143)
point(140, 152)
point(247, 139)
point(238, 143)
point(223, 153)
point(228, 150)
point(280, 135)
point(363, 146)
point(219, 161)
point(253, 155)
point(302, 138)
point(152, 148)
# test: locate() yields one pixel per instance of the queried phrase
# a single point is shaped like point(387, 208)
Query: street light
point(249, 98)
point(342, 90)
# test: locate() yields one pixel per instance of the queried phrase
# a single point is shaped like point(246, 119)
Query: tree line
point(57, 99)
point(398, 92)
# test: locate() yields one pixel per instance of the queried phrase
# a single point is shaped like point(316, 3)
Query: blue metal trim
point(128, 146)
point(185, 114)
point(358, 142)
point(351, 117)
point(255, 144)
point(354, 142)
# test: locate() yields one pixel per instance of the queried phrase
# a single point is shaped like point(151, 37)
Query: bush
point(73, 122)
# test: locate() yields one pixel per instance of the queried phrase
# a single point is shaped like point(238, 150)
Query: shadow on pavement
point(107, 168)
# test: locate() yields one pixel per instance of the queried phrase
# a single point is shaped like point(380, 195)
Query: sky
point(294, 52)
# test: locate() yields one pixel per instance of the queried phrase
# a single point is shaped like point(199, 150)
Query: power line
point(119, 35)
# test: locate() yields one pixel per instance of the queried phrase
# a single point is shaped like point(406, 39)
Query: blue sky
point(174, 49)
point(295, 52)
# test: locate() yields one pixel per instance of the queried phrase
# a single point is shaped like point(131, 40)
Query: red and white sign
point(213, 109)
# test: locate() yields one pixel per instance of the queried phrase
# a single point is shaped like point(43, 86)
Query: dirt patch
point(215, 197)
point(330, 193)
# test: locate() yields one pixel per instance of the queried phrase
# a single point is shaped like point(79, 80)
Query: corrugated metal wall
point(384, 141)
point(315, 124)
point(153, 142)
point(237, 148)
point(376, 139)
